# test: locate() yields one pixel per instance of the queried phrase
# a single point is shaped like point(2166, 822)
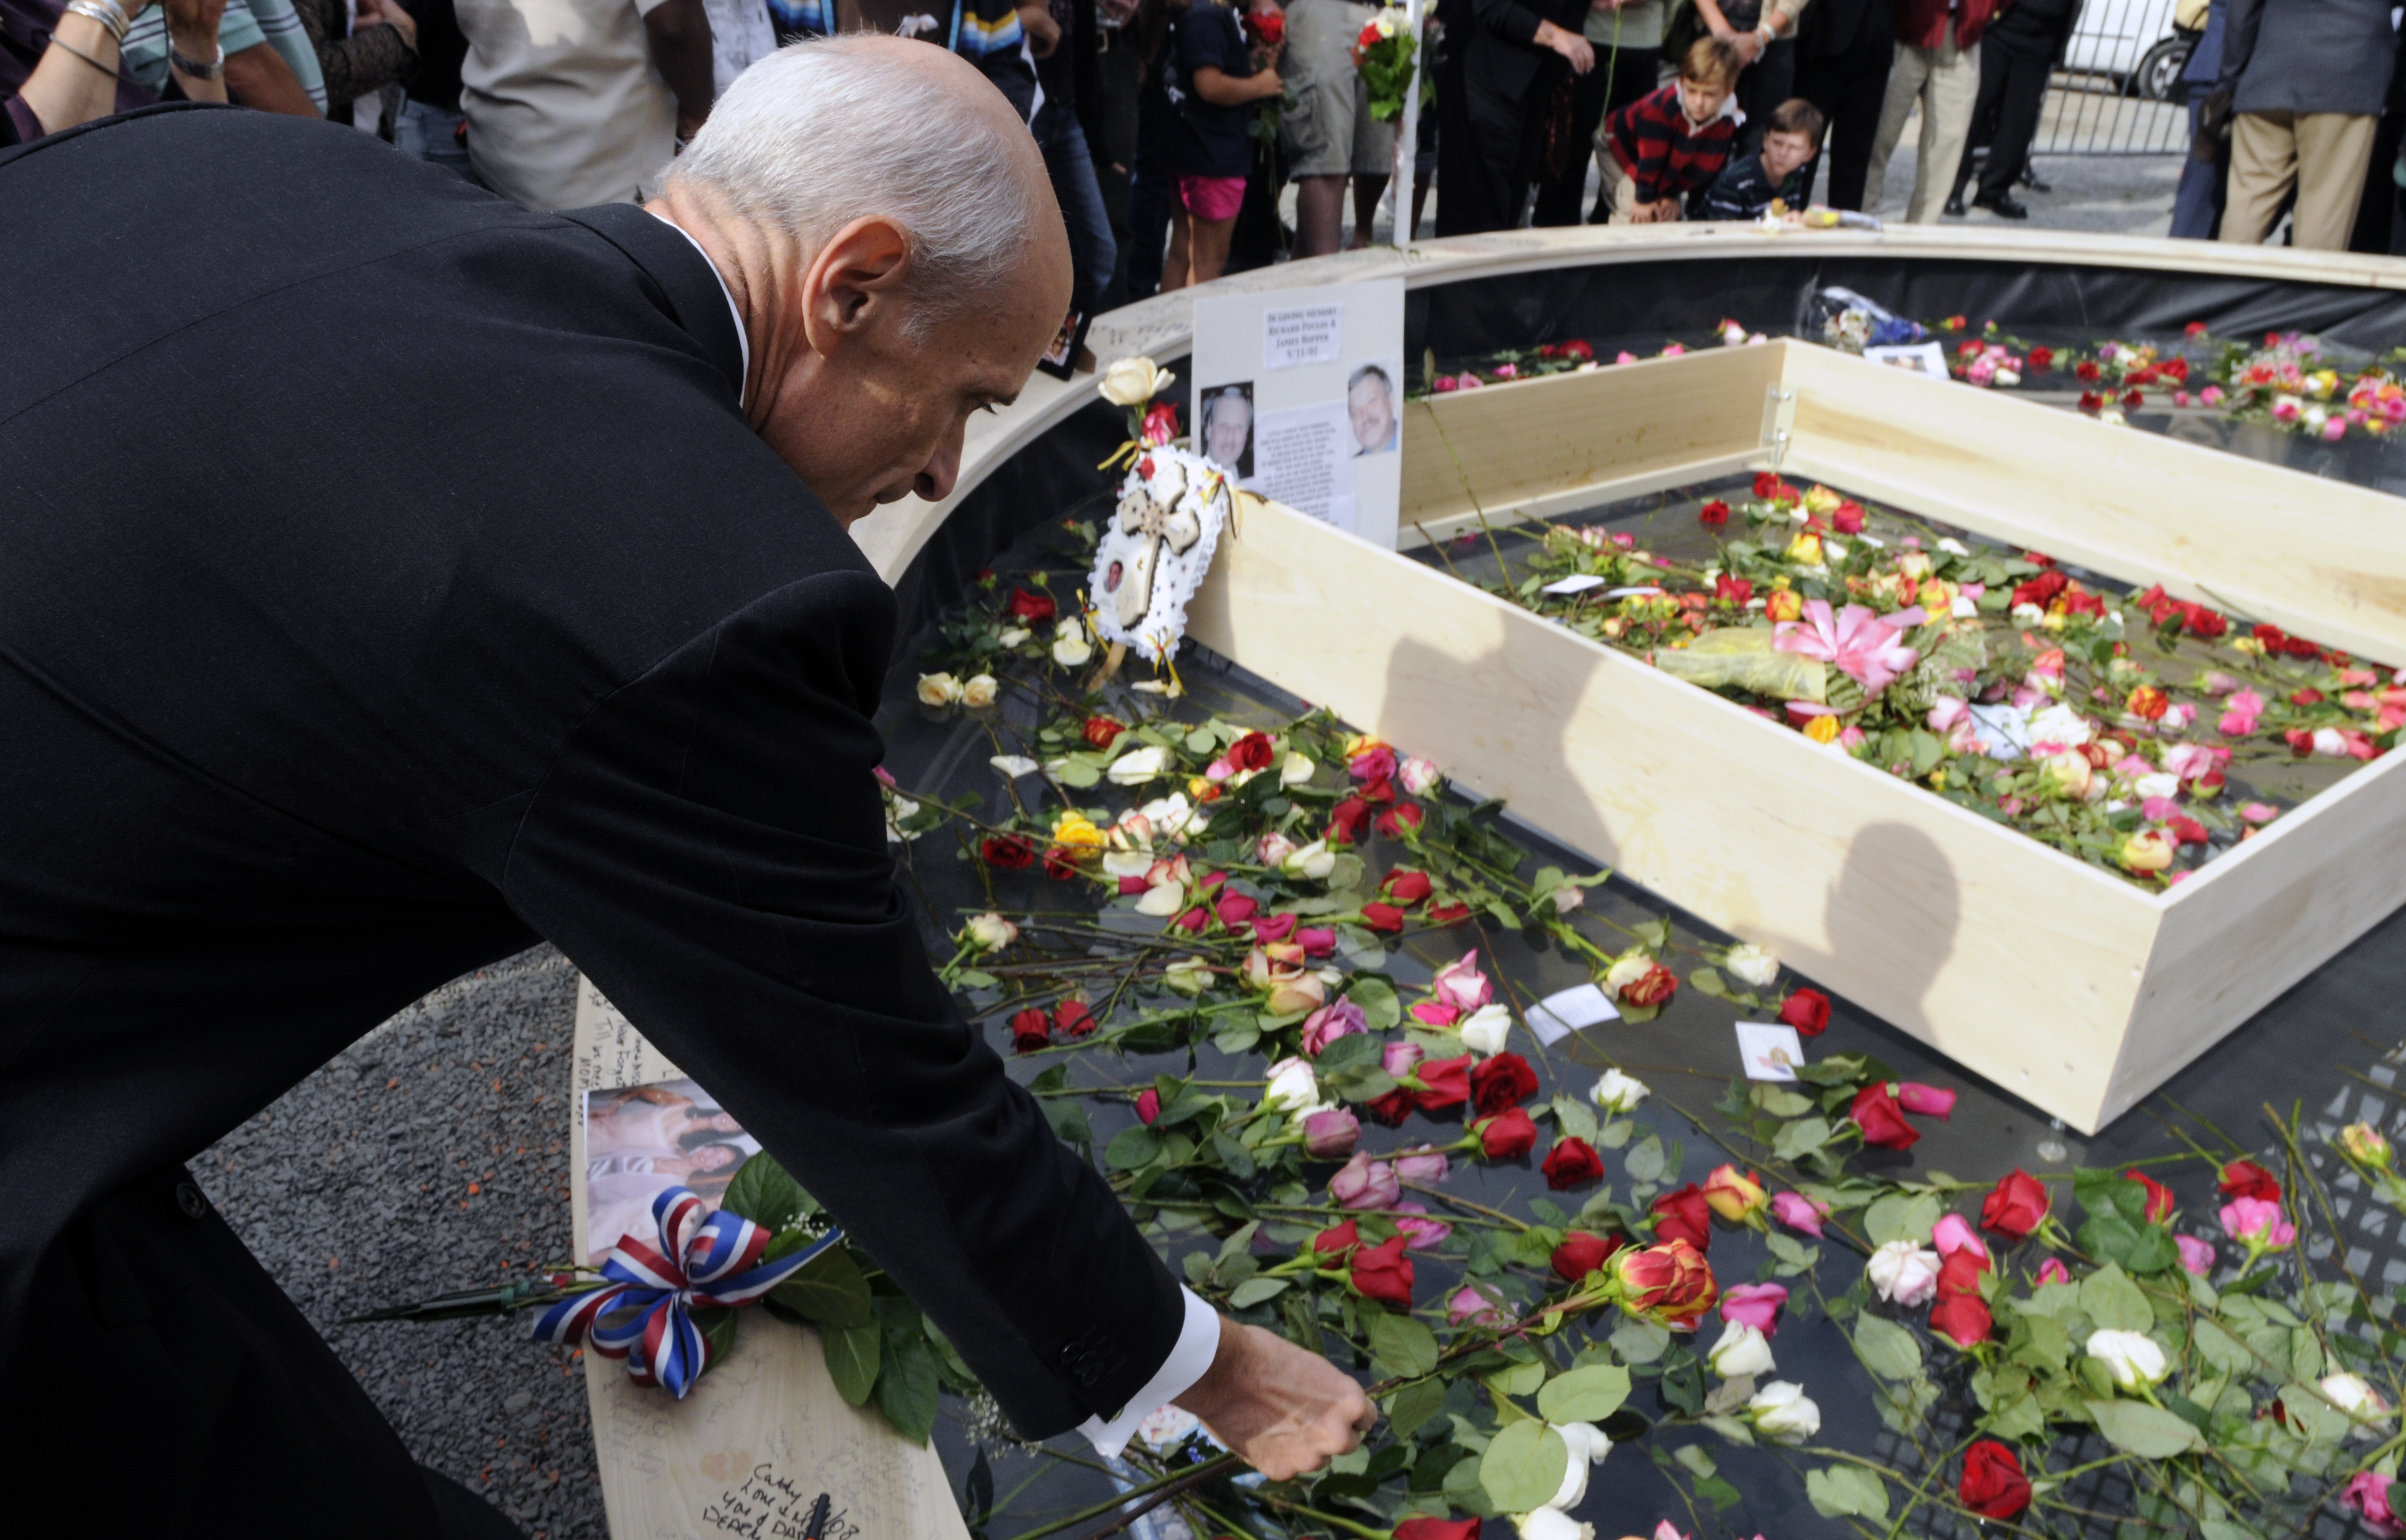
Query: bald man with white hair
point(396, 577)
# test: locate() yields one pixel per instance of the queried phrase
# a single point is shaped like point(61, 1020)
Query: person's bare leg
point(1174, 266)
point(1319, 210)
point(1210, 243)
point(1368, 191)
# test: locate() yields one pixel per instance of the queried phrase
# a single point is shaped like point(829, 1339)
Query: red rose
point(1008, 851)
point(1450, 914)
point(1875, 1112)
point(2088, 371)
point(1684, 1215)
point(2206, 623)
point(1338, 1239)
point(2042, 589)
point(1808, 1012)
point(1654, 986)
point(1580, 1254)
point(2090, 401)
point(1713, 515)
point(1400, 823)
point(1251, 751)
point(1572, 1163)
point(1385, 1273)
point(1148, 1106)
point(1384, 918)
point(2188, 831)
point(1444, 1082)
point(2271, 636)
point(2244, 1179)
point(1577, 347)
point(1100, 730)
point(1391, 1109)
point(1235, 910)
point(2134, 399)
point(1406, 887)
point(2042, 359)
point(1032, 608)
point(1347, 820)
point(1961, 1315)
point(1270, 927)
point(1504, 1080)
point(1508, 1135)
point(2307, 696)
point(1847, 519)
point(1439, 1528)
point(2015, 1206)
point(2175, 370)
point(2160, 1202)
point(1072, 1017)
point(1993, 1485)
point(1030, 1029)
point(2297, 646)
point(1733, 590)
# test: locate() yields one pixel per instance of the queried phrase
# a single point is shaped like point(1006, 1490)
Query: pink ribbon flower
point(1858, 642)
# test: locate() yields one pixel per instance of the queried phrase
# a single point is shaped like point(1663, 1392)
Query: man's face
point(1232, 423)
point(1782, 153)
point(1699, 101)
point(1373, 412)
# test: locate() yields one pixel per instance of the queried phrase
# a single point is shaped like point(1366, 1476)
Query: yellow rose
point(1938, 596)
point(1822, 730)
point(1821, 500)
point(978, 691)
point(939, 689)
point(1783, 604)
point(2149, 849)
point(1075, 831)
point(1805, 549)
point(1133, 382)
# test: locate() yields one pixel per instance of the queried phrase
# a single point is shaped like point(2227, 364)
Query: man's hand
point(1044, 33)
point(1570, 45)
point(1282, 1410)
point(387, 13)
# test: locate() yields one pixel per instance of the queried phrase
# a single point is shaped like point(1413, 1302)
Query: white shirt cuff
point(1198, 1344)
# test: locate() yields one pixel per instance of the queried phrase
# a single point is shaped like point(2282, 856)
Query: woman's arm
point(76, 79)
point(1223, 90)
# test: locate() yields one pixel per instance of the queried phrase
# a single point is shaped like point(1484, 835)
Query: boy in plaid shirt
point(1672, 141)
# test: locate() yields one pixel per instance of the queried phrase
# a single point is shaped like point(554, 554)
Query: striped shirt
point(1663, 153)
point(987, 32)
point(247, 23)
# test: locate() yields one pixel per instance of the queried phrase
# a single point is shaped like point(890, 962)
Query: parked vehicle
point(2132, 43)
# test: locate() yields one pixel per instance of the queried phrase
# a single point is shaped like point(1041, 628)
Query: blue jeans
point(432, 135)
point(1091, 251)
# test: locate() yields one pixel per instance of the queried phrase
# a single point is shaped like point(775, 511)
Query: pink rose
point(1420, 1235)
point(1955, 1234)
point(1378, 764)
point(1436, 1013)
point(2196, 1255)
point(1946, 712)
point(2053, 1271)
point(2190, 760)
point(1365, 1183)
point(2259, 1226)
point(1331, 1022)
point(1929, 1101)
point(1467, 1306)
point(2370, 1495)
point(1428, 1167)
point(1398, 1059)
point(2259, 812)
point(1799, 1212)
point(1755, 1305)
point(1460, 985)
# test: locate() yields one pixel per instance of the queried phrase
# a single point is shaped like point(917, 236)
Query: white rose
point(1133, 382)
point(2059, 725)
point(992, 932)
point(1137, 766)
point(898, 809)
point(2008, 378)
point(1753, 966)
point(2133, 1358)
point(1487, 1030)
point(1903, 1273)
point(1628, 970)
point(1618, 1092)
point(1552, 1524)
point(2351, 1394)
point(1012, 637)
point(2328, 744)
point(939, 689)
point(2158, 785)
point(1013, 765)
point(1274, 849)
point(1418, 776)
point(1292, 1086)
point(1783, 1413)
point(1188, 975)
point(1952, 547)
point(1162, 900)
point(1314, 860)
point(1297, 770)
point(1070, 648)
point(1173, 816)
point(1742, 1352)
point(979, 690)
point(1588, 1446)
point(1127, 863)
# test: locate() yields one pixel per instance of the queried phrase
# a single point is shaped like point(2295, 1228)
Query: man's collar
point(696, 297)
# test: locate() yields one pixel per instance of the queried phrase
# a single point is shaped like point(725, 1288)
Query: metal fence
point(2118, 89)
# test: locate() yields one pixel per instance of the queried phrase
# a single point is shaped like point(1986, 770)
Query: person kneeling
point(1750, 184)
point(1671, 142)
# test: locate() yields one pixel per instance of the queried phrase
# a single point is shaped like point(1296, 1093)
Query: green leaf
point(1405, 1348)
point(1588, 1395)
point(1524, 1466)
point(1889, 1349)
point(2110, 1299)
point(2151, 1432)
point(829, 1291)
point(763, 1194)
point(1839, 1492)
point(906, 1392)
point(1707, 981)
point(1132, 1149)
point(854, 1356)
point(1377, 998)
point(1645, 1159)
point(1410, 1407)
point(1902, 1216)
point(1801, 1139)
point(1254, 1290)
point(1519, 1379)
point(1575, 1118)
point(1779, 1101)
point(1640, 1341)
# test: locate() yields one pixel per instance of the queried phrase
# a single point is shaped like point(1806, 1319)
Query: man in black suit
point(392, 577)
point(1503, 62)
point(1844, 48)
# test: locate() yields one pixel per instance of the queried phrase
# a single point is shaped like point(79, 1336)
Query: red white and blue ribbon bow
point(643, 1310)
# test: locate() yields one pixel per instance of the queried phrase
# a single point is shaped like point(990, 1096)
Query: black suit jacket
point(1501, 57)
point(388, 578)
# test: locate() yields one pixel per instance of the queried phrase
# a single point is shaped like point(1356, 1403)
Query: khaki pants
point(1617, 191)
point(1946, 80)
point(2324, 153)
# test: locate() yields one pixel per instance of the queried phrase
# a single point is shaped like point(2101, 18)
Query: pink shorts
point(1212, 198)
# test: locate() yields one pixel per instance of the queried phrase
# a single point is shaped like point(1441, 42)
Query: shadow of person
point(1897, 900)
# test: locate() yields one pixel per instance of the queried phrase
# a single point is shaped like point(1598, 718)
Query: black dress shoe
point(2032, 180)
point(1955, 206)
point(2005, 206)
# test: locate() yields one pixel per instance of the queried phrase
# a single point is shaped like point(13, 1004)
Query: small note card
point(1557, 1016)
point(1771, 1051)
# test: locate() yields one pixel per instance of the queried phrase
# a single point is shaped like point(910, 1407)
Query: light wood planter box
point(2062, 984)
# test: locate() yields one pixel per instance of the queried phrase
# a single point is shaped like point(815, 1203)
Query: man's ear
point(857, 277)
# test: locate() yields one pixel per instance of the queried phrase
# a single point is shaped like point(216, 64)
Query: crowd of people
point(1171, 127)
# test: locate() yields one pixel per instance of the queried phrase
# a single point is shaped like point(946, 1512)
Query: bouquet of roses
point(1386, 54)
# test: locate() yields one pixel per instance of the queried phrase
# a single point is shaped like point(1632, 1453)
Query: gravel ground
point(432, 1155)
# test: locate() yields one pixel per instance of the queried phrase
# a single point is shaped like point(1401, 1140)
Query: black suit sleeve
point(709, 848)
point(2238, 28)
point(1508, 19)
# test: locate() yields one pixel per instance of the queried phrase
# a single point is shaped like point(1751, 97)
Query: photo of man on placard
point(1371, 406)
point(1227, 426)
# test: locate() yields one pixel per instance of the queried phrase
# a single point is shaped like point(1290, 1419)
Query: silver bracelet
point(186, 64)
point(108, 13)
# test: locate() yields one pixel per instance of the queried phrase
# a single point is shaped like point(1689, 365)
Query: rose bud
point(2148, 850)
point(1365, 1183)
point(1008, 852)
point(1444, 1082)
point(1347, 820)
point(2053, 1271)
point(1903, 1273)
point(1418, 776)
point(1875, 1112)
point(1292, 1086)
point(1504, 1080)
point(2361, 1143)
point(1489, 1028)
point(1464, 1307)
point(1072, 1017)
point(1401, 823)
point(1386, 919)
point(1961, 1315)
point(2132, 1358)
point(1460, 985)
point(1508, 1135)
point(1316, 940)
point(1669, 1283)
point(1328, 1134)
point(1572, 1163)
point(1385, 1273)
point(2363, 1405)
point(1148, 1106)
point(1926, 1100)
point(1808, 1010)
point(2244, 1179)
point(1684, 1215)
point(1713, 513)
point(1734, 1194)
point(2370, 1493)
point(1449, 914)
point(1992, 1484)
point(2160, 1202)
point(1581, 1253)
point(1431, 1165)
point(1337, 1241)
point(991, 932)
point(1031, 1029)
point(1742, 1352)
point(1783, 1413)
point(2015, 1206)
point(1755, 1305)
point(1406, 887)
point(2257, 1226)
point(1615, 1092)
point(2197, 1256)
point(1799, 1212)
